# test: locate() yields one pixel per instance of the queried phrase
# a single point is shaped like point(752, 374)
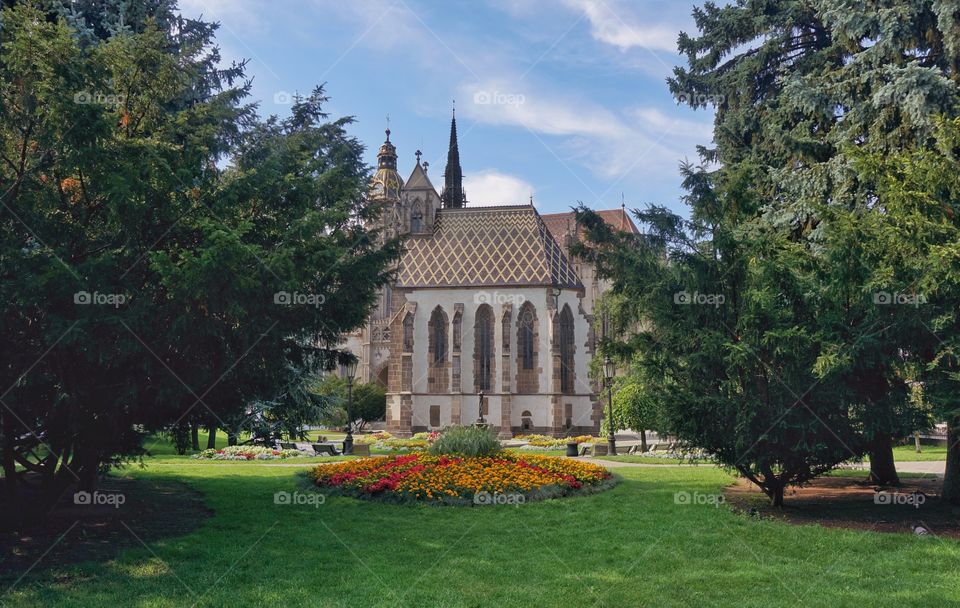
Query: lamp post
point(609, 371)
point(348, 370)
point(480, 406)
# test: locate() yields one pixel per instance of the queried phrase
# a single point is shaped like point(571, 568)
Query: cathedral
point(489, 317)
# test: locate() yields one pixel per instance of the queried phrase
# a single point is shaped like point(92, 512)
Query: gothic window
point(483, 348)
point(527, 368)
point(526, 337)
point(566, 350)
point(438, 336)
point(457, 328)
point(416, 218)
point(408, 333)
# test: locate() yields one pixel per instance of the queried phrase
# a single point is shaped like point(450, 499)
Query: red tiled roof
point(559, 224)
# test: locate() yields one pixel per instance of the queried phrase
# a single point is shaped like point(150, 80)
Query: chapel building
point(486, 300)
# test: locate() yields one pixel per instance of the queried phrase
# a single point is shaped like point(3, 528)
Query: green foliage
point(467, 441)
point(143, 283)
point(792, 366)
point(634, 407)
point(369, 401)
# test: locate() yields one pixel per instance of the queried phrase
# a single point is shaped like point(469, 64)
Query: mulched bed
point(850, 502)
point(150, 511)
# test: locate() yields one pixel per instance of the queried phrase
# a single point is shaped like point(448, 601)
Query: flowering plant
point(248, 452)
point(458, 480)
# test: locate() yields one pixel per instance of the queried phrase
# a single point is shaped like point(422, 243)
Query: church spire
point(453, 195)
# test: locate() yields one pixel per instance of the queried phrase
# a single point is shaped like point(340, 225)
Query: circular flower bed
point(248, 452)
point(451, 479)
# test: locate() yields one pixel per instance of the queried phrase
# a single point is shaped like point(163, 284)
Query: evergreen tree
point(143, 285)
point(794, 83)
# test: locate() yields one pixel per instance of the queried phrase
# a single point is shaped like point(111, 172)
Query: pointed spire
point(453, 196)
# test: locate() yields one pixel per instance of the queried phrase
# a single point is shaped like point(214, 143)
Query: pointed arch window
point(408, 333)
point(567, 347)
point(527, 321)
point(438, 336)
point(416, 218)
point(483, 348)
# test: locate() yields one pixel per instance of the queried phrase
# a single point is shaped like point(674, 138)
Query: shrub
point(467, 441)
point(249, 452)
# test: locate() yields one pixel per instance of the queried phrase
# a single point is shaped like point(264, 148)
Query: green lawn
point(907, 453)
point(631, 546)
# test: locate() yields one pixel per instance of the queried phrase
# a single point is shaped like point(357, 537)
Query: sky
point(564, 100)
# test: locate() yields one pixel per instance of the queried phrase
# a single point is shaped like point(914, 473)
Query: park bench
point(325, 448)
point(585, 450)
point(287, 446)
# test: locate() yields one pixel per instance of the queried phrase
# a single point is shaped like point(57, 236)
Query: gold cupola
point(386, 182)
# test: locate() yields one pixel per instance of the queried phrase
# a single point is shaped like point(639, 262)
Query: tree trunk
point(883, 469)
point(195, 436)
point(231, 438)
point(951, 476)
point(643, 441)
point(212, 436)
point(776, 495)
point(916, 442)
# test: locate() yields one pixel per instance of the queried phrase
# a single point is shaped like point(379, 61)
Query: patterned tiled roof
point(486, 247)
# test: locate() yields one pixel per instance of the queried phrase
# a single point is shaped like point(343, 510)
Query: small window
point(408, 333)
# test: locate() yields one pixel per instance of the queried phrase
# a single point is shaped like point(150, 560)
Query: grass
point(908, 453)
point(630, 546)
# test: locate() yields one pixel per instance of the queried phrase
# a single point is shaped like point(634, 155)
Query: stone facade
point(486, 300)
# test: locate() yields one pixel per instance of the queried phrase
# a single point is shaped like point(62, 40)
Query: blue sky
point(562, 99)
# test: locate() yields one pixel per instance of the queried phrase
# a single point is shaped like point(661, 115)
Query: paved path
point(933, 467)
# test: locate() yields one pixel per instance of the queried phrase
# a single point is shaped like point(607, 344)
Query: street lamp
point(481, 421)
point(555, 296)
point(609, 371)
point(348, 370)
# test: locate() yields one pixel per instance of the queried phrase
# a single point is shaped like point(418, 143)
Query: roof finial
point(454, 100)
point(531, 199)
point(418, 154)
point(387, 131)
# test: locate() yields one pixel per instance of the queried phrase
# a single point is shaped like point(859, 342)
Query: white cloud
point(610, 24)
point(500, 103)
point(490, 187)
point(642, 141)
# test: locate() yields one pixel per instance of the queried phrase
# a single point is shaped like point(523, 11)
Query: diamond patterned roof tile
point(486, 247)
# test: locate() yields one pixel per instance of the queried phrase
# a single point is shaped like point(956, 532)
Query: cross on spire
point(418, 154)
